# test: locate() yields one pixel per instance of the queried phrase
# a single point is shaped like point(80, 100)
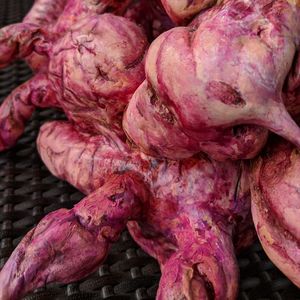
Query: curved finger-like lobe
point(84, 160)
point(204, 267)
point(201, 265)
point(45, 12)
point(226, 69)
point(18, 107)
point(68, 245)
point(181, 279)
point(96, 68)
point(19, 41)
point(276, 206)
point(182, 11)
point(23, 40)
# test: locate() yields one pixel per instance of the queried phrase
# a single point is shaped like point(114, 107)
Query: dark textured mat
point(28, 192)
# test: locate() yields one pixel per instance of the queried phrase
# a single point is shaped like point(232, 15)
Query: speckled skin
point(226, 69)
point(276, 207)
point(92, 63)
point(184, 213)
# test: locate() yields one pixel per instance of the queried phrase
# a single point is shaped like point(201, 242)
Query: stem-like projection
point(19, 106)
point(278, 120)
point(204, 267)
point(19, 41)
point(68, 245)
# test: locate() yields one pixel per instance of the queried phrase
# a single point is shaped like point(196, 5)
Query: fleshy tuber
point(212, 84)
point(92, 66)
point(275, 190)
point(185, 214)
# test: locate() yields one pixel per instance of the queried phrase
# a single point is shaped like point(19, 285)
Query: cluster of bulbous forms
point(169, 106)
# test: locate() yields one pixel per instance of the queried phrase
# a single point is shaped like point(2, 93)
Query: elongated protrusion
point(81, 159)
point(278, 120)
point(44, 13)
point(19, 41)
point(68, 245)
point(18, 107)
point(24, 40)
point(204, 267)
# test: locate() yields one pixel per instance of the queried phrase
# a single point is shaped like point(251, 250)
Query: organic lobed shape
point(90, 64)
point(226, 69)
point(184, 213)
point(275, 190)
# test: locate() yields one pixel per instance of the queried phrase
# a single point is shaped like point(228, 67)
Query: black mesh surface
point(28, 191)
